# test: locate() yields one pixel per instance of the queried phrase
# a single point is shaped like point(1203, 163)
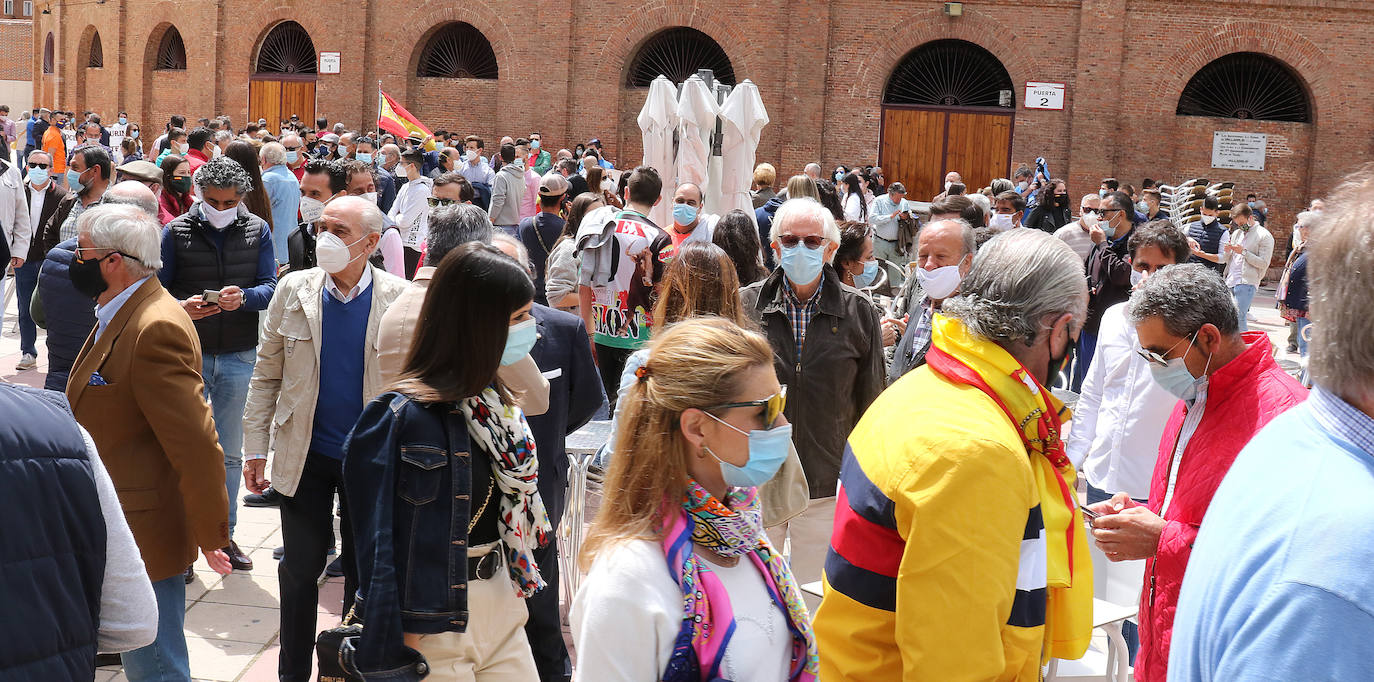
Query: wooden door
point(921, 144)
point(276, 100)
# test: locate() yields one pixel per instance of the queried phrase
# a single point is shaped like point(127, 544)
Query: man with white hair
point(296, 154)
point(283, 195)
point(944, 254)
point(1278, 585)
point(827, 348)
point(222, 140)
point(136, 388)
point(316, 368)
point(132, 193)
point(813, 171)
point(959, 550)
point(217, 259)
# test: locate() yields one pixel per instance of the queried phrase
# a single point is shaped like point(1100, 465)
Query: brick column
point(1098, 100)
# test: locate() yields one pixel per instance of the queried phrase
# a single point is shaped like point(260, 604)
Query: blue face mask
point(534, 144)
point(363, 157)
point(123, 121)
point(803, 265)
point(684, 214)
point(38, 176)
point(291, 157)
point(519, 340)
point(74, 181)
point(767, 451)
point(865, 278)
point(1176, 378)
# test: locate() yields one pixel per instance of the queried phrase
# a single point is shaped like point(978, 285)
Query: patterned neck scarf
point(499, 429)
point(730, 528)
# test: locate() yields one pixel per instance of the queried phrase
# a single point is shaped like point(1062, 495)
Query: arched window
point(286, 49)
point(953, 73)
point(457, 50)
point(97, 57)
point(171, 51)
point(678, 53)
point(1246, 85)
point(47, 54)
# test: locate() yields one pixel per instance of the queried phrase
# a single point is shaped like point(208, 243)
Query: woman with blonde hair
point(682, 582)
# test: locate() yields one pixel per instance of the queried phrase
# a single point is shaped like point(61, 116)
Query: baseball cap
point(330, 138)
point(552, 185)
point(141, 170)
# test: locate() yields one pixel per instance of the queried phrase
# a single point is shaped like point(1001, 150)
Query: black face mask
point(1061, 201)
point(1058, 364)
point(86, 276)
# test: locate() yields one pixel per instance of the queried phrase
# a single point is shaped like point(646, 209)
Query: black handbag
point(334, 651)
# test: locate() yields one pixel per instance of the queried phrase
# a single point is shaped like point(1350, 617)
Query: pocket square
point(97, 380)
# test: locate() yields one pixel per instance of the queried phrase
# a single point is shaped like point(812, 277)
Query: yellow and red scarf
point(964, 358)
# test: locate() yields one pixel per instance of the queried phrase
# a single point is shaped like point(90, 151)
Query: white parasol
point(657, 121)
point(743, 117)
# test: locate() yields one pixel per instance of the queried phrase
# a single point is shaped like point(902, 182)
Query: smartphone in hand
point(210, 297)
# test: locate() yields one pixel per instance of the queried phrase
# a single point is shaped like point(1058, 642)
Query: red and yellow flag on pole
point(394, 118)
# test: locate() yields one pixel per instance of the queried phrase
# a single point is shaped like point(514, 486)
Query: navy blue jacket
point(1297, 285)
point(53, 548)
point(70, 315)
point(386, 189)
point(575, 394)
point(764, 216)
point(407, 474)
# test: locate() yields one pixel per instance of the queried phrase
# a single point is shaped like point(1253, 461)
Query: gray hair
point(1001, 185)
point(272, 154)
point(128, 230)
point(374, 221)
point(812, 167)
point(452, 226)
point(966, 233)
point(1185, 297)
point(1341, 276)
point(982, 202)
point(223, 173)
point(222, 135)
point(794, 210)
point(1021, 280)
point(522, 254)
point(132, 193)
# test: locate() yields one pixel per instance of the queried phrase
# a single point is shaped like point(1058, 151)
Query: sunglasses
point(436, 201)
point(79, 249)
point(790, 240)
point(292, 149)
point(44, 166)
point(1158, 359)
point(774, 404)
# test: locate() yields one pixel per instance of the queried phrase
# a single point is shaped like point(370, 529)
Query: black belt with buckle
point(484, 567)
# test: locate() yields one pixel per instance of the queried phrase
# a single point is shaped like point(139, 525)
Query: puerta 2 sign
point(1041, 95)
point(1238, 151)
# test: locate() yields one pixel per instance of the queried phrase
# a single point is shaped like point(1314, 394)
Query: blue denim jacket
point(408, 477)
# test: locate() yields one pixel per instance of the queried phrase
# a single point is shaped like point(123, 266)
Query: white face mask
point(1136, 278)
point(1208, 219)
point(218, 152)
point(1001, 222)
point(311, 209)
point(940, 282)
point(219, 219)
point(332, 254)
point(370, 196)
point(947, 184)
point(399, 170)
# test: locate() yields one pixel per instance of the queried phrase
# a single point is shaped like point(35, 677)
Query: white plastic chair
point(1116, 598)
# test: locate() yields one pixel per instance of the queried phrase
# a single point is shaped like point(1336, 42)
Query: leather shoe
point(190, 574)
point(237, 559)
point(335, 568)
point(103, 660)
point(268, 498)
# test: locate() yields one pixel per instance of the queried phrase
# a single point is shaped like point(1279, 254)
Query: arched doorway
point(1246, 86)
point(948, 106)
point(283, 80)
point(678, 53)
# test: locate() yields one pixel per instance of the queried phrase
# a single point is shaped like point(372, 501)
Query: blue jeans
point(26, 278)
point(1129, 631)
point(1303, 322)
point(1087, 346)
point(165, 660)
point(1244, 295)
point(226, 387)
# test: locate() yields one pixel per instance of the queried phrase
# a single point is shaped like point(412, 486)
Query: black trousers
point(544, 628)
point(610, 363)
point(307, 529)
point(412, 258)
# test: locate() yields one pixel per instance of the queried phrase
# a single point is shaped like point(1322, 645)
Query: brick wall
point(821, 66)
point(16, 50)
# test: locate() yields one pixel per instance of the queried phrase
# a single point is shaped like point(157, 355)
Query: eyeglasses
point(774, 404)
point(292, 149)
point(79, 249)
point(790, 240)
point(44, 166)
point(1159, 360)
point(1105, 211)
point(436, 201)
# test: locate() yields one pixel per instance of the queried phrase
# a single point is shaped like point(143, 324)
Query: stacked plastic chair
point(1184, 201)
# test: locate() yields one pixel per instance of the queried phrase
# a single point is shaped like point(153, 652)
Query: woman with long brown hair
point(703, 426)
point(560, 284)
point(175, 197)
point(256, 199)
point(442, 471)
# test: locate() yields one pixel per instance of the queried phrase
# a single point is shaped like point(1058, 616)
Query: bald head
point(133, 193)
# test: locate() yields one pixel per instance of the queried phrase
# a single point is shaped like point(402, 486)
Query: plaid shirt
point(799, 314)
point(921, 337)
point(1342, 419)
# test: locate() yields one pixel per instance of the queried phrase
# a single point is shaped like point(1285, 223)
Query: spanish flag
point(393, 117)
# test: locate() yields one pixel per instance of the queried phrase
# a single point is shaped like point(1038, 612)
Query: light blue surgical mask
point(292, 156)
point(684, 214)
point(123, 121)
point(1176, 378)
point(534, 144)
point(38, 176)
point(1142, 207)
point(364, 157)
point(767, 451)
point(803, 265)
point(865, 278)
point(519, 340)
point(74, 181)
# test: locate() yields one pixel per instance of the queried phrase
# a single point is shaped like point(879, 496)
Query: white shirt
point(393, 253)
point(410, 211)
point(1120, 416)
point(105, 313)
point(36, 197)
point(1077, 237)
point(627, 614)
point(363, 283)
point(853, 207)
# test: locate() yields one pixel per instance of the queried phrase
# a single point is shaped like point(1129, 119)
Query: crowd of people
point(402, 331)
